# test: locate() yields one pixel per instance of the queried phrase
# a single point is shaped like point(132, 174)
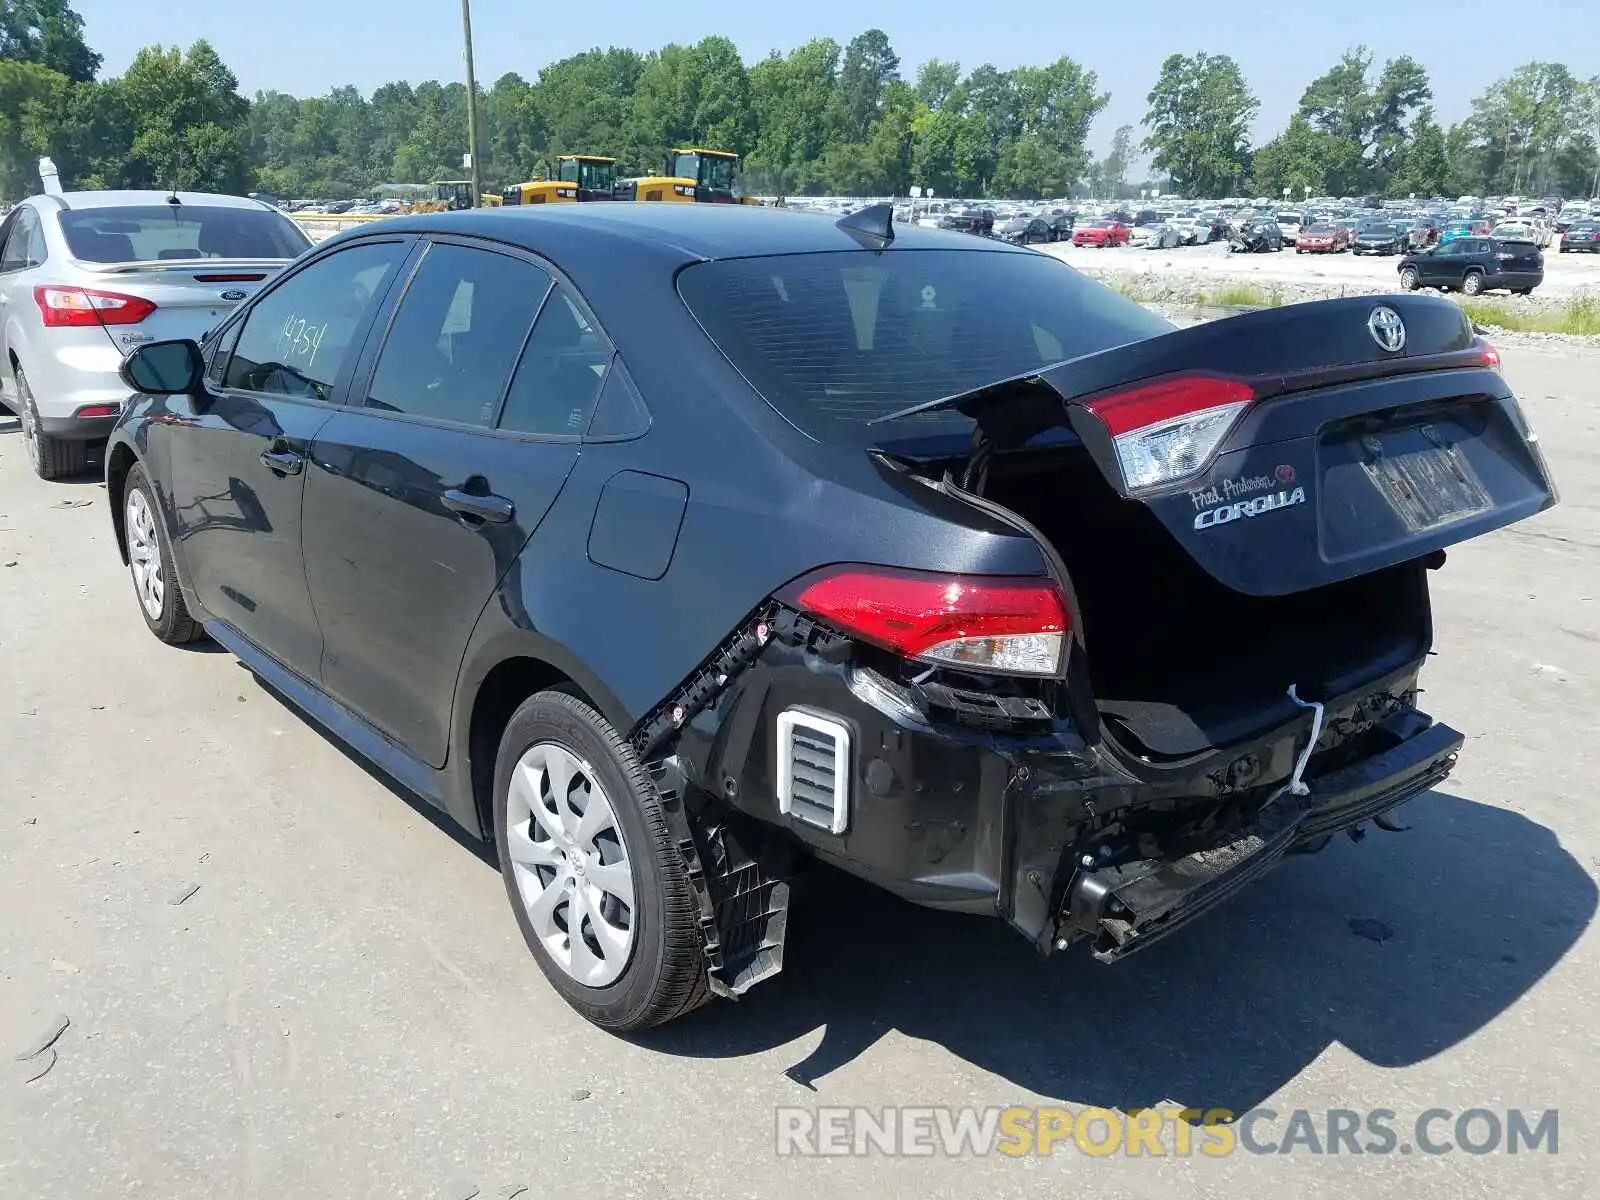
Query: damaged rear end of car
point(1214, 663)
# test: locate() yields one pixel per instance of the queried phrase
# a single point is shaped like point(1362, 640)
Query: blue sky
point(307, 48)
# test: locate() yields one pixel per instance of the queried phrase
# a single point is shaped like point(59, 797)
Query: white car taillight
point(76, 307)
point(1166, 431)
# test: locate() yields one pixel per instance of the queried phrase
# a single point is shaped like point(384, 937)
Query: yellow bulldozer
point(688, 175)
point(578, 178)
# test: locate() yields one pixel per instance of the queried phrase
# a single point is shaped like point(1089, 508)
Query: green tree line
point(820, 119)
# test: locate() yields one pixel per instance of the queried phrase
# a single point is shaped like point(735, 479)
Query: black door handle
point(282, 462)
point(496, 510)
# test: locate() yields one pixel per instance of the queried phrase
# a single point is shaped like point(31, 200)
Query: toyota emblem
point(1387, 329)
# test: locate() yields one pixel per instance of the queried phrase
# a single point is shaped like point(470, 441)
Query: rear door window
point(457, 335)
point(835, 340)
point(299, 336)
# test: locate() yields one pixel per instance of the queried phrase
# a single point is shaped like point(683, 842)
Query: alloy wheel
point(144, 555)
point(30, 432)
point(571, 864)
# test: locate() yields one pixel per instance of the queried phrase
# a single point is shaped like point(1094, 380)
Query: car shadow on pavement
point(1474, 905)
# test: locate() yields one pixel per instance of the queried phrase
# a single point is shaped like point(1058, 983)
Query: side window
point(619, 412)
point(35, 250)
point(560, 372)
point(14, 254)
point(299, 336)
point(220, 352)
point(456, 335)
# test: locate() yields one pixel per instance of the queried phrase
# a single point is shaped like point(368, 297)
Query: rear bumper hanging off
point(1129, 906)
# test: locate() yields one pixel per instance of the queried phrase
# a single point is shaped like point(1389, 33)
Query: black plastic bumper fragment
point(740, 884)
point(742, 900)
point(1131, 905)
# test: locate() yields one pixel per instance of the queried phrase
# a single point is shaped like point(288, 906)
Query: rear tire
point(155, 576)
point(555, 750)
point(50, 457)
point(1472, 285)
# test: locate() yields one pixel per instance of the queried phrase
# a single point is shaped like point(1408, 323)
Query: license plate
point(1430, 487)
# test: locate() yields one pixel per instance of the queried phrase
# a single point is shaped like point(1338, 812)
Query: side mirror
point(174, 368)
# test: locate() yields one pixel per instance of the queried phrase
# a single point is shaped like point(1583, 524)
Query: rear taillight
point(992, 623)
point(78, 307)
point(1488, 355)
point(1169, 430)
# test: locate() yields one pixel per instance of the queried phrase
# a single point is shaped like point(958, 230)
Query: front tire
point(1408, 279)
point(584, 845)
point(155, 576)
point(50, 457)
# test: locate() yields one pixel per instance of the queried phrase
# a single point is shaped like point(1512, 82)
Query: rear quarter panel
point(765, 504)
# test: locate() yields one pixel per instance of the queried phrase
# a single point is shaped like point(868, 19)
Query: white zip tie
point(1297, 786)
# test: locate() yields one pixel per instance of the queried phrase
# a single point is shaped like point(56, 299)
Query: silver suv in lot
point(86, 277)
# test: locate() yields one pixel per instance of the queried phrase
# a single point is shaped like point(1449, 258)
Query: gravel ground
point(344, 1007)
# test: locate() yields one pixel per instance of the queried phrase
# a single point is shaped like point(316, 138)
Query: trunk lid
point(1350, 457)
point(192, 296)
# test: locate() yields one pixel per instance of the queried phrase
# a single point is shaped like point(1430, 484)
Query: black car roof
point(699, 231)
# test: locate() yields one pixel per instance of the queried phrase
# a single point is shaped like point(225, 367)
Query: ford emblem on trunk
point(234, 294)
point(1387, 329)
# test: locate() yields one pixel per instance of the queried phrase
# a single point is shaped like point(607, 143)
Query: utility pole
point(472, 103)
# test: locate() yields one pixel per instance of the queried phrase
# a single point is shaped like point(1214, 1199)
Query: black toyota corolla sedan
point(675, 548)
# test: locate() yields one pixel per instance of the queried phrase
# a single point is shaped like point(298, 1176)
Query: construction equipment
point(540, 191)
point(688, 175)
point(579, 177)
point(594, 175)
point(449, 195)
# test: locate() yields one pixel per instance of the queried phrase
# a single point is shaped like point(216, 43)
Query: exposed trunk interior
point(1180, 663)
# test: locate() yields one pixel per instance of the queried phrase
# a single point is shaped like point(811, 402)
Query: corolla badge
point(233, 295)
point(1387, 329)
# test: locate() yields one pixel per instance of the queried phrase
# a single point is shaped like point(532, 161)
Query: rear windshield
point(835, 340)
point(146, 233)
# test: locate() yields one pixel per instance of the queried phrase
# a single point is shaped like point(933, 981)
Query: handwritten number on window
point(300, 340)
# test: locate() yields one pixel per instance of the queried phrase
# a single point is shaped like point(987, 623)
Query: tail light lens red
point(1489, 355)
point(1170, 429)
point(986, 623)
point(72, 307)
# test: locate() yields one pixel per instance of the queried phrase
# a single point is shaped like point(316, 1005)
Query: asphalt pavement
point(282, 980)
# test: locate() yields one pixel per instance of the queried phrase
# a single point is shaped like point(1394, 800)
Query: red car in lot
point(1101, 233)
point(1322, 239)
